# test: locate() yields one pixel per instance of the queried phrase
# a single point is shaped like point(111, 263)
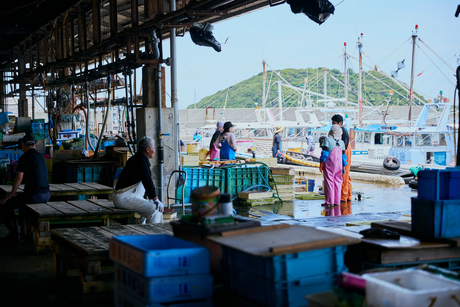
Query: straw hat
point(279, 129)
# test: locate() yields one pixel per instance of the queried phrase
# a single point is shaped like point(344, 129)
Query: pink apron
point(333, 177)
point(214, 153)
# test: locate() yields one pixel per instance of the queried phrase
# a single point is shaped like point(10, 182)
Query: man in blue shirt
point(31, 171)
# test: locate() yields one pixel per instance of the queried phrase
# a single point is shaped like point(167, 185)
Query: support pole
point(160, 131)
point(174, 100)
point(325, 86)
point(263, 85)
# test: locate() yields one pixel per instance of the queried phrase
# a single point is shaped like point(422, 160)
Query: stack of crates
point(39, 129)
point(160, 270)
point(436, 210)
point(283, 280)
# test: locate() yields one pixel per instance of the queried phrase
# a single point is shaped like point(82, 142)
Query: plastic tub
point(159, 255)
point(410, 288)
point(164, 289)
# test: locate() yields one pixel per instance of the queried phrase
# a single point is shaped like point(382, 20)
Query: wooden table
point(66, 189)
point(409, 250)
point(88, 249)
point(38, 217)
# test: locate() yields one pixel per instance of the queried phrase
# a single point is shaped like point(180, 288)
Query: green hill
point(247, 93)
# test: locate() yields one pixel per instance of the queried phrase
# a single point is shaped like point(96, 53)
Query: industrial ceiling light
point(201, 35)
point(316, 10)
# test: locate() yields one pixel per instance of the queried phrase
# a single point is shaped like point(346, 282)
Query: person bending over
point(136, 180)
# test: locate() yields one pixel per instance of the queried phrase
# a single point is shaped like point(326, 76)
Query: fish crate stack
point(255, 198)
point(191, 160)
point(160, 270)
point(284, 177)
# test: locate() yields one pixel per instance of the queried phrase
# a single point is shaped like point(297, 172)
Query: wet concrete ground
point(377, 202)
point(28, 279)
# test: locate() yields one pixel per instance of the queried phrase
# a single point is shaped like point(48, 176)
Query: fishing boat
point(422, 143)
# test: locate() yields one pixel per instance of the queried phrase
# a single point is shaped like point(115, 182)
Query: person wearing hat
point(345, 198)
point(276, 145)
point(227, 142)
point(31, 171)
point(214, 152)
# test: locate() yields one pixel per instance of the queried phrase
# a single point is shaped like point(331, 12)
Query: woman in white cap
point(331, 165)
point(214, 152)
point(227, 142)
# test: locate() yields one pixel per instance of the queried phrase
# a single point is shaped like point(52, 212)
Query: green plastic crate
point(239, 178)
point(200, 177)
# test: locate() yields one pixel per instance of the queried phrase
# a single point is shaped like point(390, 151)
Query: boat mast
point(264, 81)
point(411, 96)
point(325, 86)
point(360, 99)
point(346, 73)
point(280, 94)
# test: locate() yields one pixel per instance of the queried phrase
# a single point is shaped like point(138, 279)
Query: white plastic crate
point(410, 288)
point(123, 299)
point(159, 255)
point(164, 289)
point(66, 135)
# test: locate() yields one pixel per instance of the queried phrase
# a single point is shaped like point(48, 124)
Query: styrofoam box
point(164, 289)
point(159, 255)
point(123, 299)
point(410, 288)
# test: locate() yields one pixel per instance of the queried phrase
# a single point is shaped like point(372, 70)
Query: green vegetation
point(248, 93)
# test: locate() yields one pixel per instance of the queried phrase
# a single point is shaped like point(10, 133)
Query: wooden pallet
point(88, 250)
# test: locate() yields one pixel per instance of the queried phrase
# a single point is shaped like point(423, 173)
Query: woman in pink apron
point(214, 152)
point(331, 165)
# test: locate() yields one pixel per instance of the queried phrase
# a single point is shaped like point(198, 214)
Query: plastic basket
point(200, 177)
point(278, 294)
point(239, 178)
point(83, 171)
point(439, 219)
point(12, 155)
point(288, 267)
point(123, 299)
point(159, 255)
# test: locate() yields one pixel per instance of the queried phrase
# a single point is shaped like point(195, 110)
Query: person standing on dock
point(331, 165)
point(214, 152)
point(345, 198)
point(277, 142)
point(227, 142)
point(136, 180)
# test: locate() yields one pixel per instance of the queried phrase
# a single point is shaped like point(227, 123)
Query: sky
point(287, 40)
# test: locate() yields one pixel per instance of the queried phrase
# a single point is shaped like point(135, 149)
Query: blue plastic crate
point(164, 289)
point(439, 219)
point(286, 267)
point(159, 255)
point(439, 184)
point(123, 299)
point(11, 154)
point(200, 177)
point(278, 294)
point(239, 178)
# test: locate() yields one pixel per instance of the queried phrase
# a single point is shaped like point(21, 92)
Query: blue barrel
point(311, 185)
